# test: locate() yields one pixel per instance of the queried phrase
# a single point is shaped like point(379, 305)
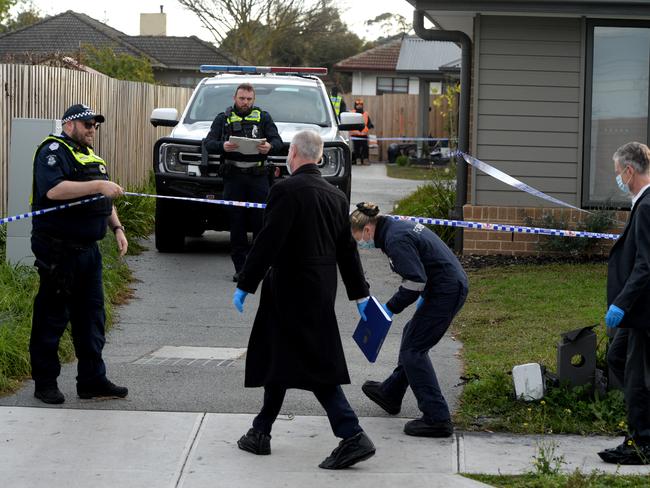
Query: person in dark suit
point(628, 290)
point(295, 341)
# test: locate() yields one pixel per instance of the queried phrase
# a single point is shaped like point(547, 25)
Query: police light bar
point(218, 68)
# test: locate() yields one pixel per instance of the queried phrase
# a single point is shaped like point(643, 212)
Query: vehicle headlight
point(333, 161)
point(174, 158)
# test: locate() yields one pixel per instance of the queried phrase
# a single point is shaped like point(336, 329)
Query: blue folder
point(370, 333)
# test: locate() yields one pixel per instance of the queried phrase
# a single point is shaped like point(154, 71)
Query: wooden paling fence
point(125, 140)
point(396, 115)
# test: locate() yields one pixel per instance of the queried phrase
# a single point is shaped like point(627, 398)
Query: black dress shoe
point(50, 395)
point(105, 389)
point(627, 453)
point(421, 428)
point(372, 389)
point(256, 442)
point(350, 451)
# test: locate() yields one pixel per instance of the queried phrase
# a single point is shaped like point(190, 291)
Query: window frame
point(591, 24)
point(392, 85)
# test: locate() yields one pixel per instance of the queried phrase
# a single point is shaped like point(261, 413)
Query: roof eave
point(555, 7)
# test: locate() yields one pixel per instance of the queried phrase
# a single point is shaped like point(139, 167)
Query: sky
point(124, 15)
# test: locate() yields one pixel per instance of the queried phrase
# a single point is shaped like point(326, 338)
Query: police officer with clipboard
point(245, 176)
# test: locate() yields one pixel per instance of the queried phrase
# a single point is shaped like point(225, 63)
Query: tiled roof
point(68, 31)
point(64, 33)
point(408, 54)
point(380, 58)
point(180, 52)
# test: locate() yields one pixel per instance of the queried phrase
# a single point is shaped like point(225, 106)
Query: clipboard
point(246, 145)
point(370, 334)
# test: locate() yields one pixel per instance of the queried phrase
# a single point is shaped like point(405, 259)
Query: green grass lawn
point(419, 172)
point(515, 315)
point(573, 480)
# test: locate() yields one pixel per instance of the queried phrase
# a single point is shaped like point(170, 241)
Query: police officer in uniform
point(337, 102)
point(245, 176)
point(432, 276)
point(64, 242)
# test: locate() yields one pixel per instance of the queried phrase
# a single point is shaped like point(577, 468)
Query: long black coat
point(628, 269)
point(295, 340)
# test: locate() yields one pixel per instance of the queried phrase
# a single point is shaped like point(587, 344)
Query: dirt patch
point(472, 263)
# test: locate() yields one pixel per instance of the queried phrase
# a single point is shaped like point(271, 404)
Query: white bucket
point(529, 381)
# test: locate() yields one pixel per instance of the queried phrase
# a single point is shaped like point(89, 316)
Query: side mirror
point(351, 121)
point(166, 117)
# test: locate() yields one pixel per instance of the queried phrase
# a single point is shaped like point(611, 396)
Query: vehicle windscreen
point(294, 104)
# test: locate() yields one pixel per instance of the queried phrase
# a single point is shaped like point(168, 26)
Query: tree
point(286, 32)
point(391, 24)
point(28, 15)
point(121, 66)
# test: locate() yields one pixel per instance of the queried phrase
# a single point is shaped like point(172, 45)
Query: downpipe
point(463, 39)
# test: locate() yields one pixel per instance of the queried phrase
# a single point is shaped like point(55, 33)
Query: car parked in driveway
point(295, 98)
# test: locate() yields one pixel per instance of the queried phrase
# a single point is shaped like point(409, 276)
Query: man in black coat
point(628, 299)
point(295, 341)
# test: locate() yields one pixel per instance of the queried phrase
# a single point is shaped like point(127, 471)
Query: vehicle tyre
point(169, 232)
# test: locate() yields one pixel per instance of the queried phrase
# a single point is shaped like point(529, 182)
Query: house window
point(392, 85)
point(616, 102)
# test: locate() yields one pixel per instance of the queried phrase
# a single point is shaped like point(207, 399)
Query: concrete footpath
point(57, 447)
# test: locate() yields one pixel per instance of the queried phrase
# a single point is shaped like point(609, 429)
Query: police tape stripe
point(28, 215)
point(231, 203)
point(507, 228)
point(422, 220)
point(514, 182)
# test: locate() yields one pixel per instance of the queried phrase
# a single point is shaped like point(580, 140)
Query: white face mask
point(365, 244)
point(624, 187)
point(289, 159)
point(369, 244)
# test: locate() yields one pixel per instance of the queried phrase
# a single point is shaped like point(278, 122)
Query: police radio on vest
point(219, 68)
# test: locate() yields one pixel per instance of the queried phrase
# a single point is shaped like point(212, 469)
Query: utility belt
point(254, 168)
point(65, 245)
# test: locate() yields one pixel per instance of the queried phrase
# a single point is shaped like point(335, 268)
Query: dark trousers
point(343, 420)
point(414, 368)
point(70, 291)
point(629, 360)
point(359, 148)
point(244, 188)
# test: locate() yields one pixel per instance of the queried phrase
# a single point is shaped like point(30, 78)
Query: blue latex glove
point(361, 306)
point(238, 299)
point(390, 314)
point(418, 304)
point(614, 316)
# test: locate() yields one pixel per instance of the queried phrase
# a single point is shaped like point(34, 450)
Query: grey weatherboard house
point(554, 88)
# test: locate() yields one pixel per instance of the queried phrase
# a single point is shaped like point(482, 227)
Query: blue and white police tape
point(507, 228)
point(232, 203)
point(422, 220)
point(35, 213)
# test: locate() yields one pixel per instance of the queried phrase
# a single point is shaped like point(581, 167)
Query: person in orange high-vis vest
point(360, 137)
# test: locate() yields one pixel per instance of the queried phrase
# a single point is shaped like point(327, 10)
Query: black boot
point(629, 453)
point(350, 451)
point(422, 428)
point(103, 389)
point(372, 389)
point(49, 394)
point(256, 442)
